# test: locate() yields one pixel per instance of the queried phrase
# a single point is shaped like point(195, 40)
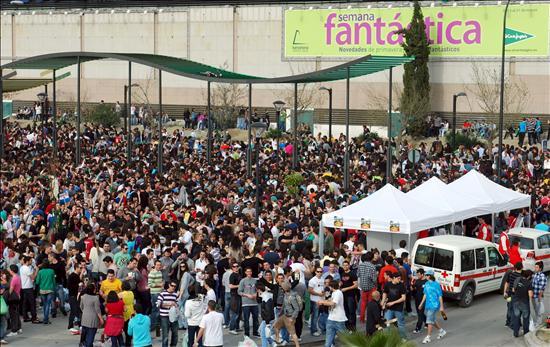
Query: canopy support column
point(321, 239)
point(209, 124)
point(77, 154)
point(129, 130)
point(346, 156)
point(249, 143)
point(295, 129)
point(1, 116)
point(159, 148)
point(389, 160)
point(54, 118)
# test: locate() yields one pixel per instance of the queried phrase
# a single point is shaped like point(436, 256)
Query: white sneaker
point(3, 342)
point(20, 331)
point(224, 326)
point(427, 339)
point(441, 334)
point(11, 334)
point(233, 332)
point(316, 333)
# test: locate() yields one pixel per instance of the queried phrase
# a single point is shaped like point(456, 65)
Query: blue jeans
point(234, 321)
point(266, 341)
point(47, 300)
point(314, 317)
point(89, 336)
point(333, 328)
point(168, 327)
point(154, 311)
point(3, 326)
point(227, 308)
point(60, 294)
point(247, 310)
point(521, 314)
point(390, 314)
point(323, 317)
point(350, 308)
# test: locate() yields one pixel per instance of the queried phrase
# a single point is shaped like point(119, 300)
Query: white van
point(534, 245)
point(464, 266)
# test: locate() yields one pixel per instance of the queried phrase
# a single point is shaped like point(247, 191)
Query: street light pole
point(278, 105)
point(295, 129)
point(329, 90)
point(259, 128)
point(54, 111)
point(389, 162)
point(501, 114)
point(455, 97)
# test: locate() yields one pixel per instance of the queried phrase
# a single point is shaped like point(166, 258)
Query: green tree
point(415, 100)
point(383, 338)
point(293, 182)
point(102, 114)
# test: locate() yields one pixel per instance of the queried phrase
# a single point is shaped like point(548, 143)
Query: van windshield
point(524, 242)
point(436, 258)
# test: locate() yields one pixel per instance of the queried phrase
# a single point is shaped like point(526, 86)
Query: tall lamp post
point(42, 98)
point(259, 129)
point(455, 97)
point(501, 113)
point(329, 90)
point(126, 104)
point(278, 105)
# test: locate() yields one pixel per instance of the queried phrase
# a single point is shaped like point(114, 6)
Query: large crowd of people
point(125, 252)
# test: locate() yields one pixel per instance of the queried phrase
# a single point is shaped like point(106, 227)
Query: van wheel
point(467, 296)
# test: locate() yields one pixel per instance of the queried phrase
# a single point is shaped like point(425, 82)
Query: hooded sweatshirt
point(138, 328)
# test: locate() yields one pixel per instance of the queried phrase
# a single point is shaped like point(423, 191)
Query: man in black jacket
point(266, 312)
point(374, 316)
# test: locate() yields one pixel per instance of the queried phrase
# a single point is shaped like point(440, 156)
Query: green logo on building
point(512, 36)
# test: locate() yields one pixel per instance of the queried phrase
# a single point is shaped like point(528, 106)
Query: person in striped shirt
point(156, 284)
point(166, 300)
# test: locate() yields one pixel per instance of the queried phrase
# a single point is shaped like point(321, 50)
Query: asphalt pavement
point(481, 325)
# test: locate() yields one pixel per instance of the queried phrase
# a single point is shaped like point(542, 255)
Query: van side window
point(467, 260)
point(443, 259)
point(481, 258)
point(424, 256)
point(544, 241)
point(494, 256)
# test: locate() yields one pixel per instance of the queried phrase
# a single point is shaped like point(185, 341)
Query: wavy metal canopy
point(359, 67)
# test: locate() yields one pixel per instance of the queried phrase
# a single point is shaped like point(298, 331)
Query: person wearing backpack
point(290, 311)
point(522, 293)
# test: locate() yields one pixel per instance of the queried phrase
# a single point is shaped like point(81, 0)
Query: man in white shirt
point(402, 248)
point(211, 328)
point(28, 273)
point(337, 315)
point(200, 265)
point(316, 286)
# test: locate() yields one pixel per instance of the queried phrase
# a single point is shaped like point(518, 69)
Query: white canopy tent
point(436, 194)
point(388, 210)
point(476, 185)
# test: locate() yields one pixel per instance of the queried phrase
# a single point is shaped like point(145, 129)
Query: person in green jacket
point(45, 280)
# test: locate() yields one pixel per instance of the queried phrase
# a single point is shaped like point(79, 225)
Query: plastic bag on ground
point(248, 342)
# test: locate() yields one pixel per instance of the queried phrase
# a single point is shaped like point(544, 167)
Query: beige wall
point(243, 39)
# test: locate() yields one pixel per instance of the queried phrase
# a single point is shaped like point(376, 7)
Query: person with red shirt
point(484, 231)
point(515, 257)
point(504, 244)
point(389, 267)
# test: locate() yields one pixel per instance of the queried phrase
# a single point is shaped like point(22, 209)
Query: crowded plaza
point(221, 223)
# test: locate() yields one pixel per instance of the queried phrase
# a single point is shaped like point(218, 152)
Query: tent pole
point(321, 239)
point(409, 242)
point(391, 241)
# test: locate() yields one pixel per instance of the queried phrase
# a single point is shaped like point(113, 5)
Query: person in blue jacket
point(139, 328)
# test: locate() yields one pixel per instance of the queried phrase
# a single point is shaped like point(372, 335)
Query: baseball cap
point(430, 272)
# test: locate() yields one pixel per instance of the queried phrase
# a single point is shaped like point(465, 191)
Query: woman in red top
point(515, 257)
point(115, 321)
